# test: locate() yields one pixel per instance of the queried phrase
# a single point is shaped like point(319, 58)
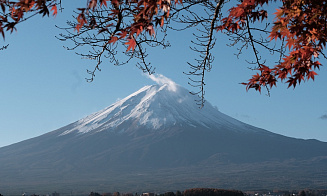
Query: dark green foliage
point(178, 193)
point(94, 194)
point(116, 194)
point(310, 192)
point(169, 194)
point(211, 192)
point(127, 194)
point(302, 193)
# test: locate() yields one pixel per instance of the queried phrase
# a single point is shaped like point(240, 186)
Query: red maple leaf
point(131, 44)
point(54, 9)
point(113, 39)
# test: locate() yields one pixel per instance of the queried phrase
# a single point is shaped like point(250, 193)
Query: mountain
point(158, 139)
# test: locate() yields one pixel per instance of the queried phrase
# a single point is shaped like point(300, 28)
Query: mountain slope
point(159, 131)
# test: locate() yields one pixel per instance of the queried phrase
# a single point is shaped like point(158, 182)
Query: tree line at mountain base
point(188, 192)
point(223, 192)
point(216, 192)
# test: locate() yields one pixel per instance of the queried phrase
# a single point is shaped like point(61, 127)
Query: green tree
point(116, 194)
point(94, 194)
point(211, 192)
point(169, 194)
point(302, 193)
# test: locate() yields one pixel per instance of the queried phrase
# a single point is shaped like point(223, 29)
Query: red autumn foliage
point(13, 12)
point(300, 24)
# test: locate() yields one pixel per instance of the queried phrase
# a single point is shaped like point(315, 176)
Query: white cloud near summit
point(161, 79)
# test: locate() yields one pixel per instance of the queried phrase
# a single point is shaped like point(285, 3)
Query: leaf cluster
point(301, 28)
point(14, 12)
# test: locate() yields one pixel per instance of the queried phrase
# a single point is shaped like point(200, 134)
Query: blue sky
point(43, 87)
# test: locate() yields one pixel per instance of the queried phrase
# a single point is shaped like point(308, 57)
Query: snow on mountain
point(155, 107)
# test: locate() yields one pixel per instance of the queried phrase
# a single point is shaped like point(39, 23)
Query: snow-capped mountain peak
point(154, 107)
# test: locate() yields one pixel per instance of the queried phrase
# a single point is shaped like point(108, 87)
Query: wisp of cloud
point(161, 79)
